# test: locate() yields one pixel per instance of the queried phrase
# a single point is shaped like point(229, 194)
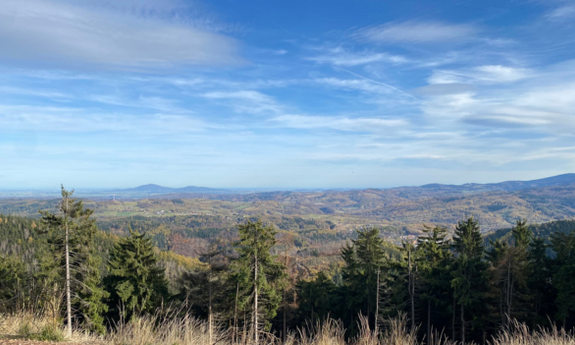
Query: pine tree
point(433, 258)
point(71, 262)
point(364, 260)
point(539, 280)
point(136, 283)
point(201, 288)
point(260, 276)
point(318, 299)
point(563, 278)
point(469, 275)
point(13, 282)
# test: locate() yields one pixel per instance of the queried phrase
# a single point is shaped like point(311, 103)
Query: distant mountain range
point(403, 209)
point(429, 190)
point(436, 188)
point(508, 186)
point(156, 189)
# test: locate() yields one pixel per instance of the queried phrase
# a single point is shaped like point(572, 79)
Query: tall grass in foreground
point(150, 330)
point(38, 326)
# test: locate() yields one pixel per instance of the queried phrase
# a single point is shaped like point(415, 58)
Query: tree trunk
point(67, 253)
point(510, 304)
point(462, 326)
point(376, 327)
point(244, 338)
point(411, 291)
point(428, 320)
point(453, 320)
point(256, 321)
point(235, 330)
point(284, 318)
point(210, 316)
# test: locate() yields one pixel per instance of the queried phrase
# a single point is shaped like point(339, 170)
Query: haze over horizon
point(267, 94)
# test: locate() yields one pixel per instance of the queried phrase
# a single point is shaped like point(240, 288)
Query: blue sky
point(284, 94)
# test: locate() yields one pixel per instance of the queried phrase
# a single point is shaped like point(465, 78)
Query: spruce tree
point(364, 260)
point(13, 283)
point(539, 283)
point(563, 278)
point(70, 262)
point(318, 299)
point(135, 282)
point(260, 276)
point(469, 275)
point(433, 259)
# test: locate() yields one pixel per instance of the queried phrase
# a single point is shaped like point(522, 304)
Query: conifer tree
point(318, 298)
point(362, 274)
point(563, 278)
point(539, 282)
point(204, 289)
point(260, 276)
point(433, 258)
point(13, 281)
point(469, 275)
point(71, 263)
point(135, 282)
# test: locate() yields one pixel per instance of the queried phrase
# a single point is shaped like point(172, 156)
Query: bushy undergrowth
point(149, 330)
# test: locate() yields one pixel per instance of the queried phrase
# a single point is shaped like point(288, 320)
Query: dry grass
point(190, 331)
point(520, 334)
point(39, 326)
point(329, 332)
point(173, 331)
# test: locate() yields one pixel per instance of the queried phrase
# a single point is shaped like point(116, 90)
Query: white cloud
point(61, 33)
point(498, 73)
point(534, 106)
point(561, 13)
point(49, 119)
point(487, 74)
point(366, 85)
point(338, 123)
point(339, 57)
point(247, 101)
point(356, 84)
point(416, 32)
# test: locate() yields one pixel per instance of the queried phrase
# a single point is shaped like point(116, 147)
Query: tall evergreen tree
point(563, 278)
point(469, 275)
point(433, 261)
point(362, 274)
point(14, 279)
point(136, 283)
point(539, 283)
point(318, 299)
point(203, 287)
point(261, 278)
point(71, 263)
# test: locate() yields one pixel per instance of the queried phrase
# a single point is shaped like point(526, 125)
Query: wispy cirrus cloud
point(340, 123)
point(562, 12)
point(416, 32)
point(246, 101)
point(55, 119)
point(481, 74)
point(340, 57)
point(81, 34)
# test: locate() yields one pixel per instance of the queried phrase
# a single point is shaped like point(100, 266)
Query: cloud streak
point(339, 57)
point(59, 33)
point(416, 32)
point(337, 123)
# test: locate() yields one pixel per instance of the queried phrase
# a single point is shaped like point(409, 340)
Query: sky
point(284, 94)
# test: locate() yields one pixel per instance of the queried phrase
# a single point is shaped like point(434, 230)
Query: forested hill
point(544, 231)
point(405, 210)
point(19, 236)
